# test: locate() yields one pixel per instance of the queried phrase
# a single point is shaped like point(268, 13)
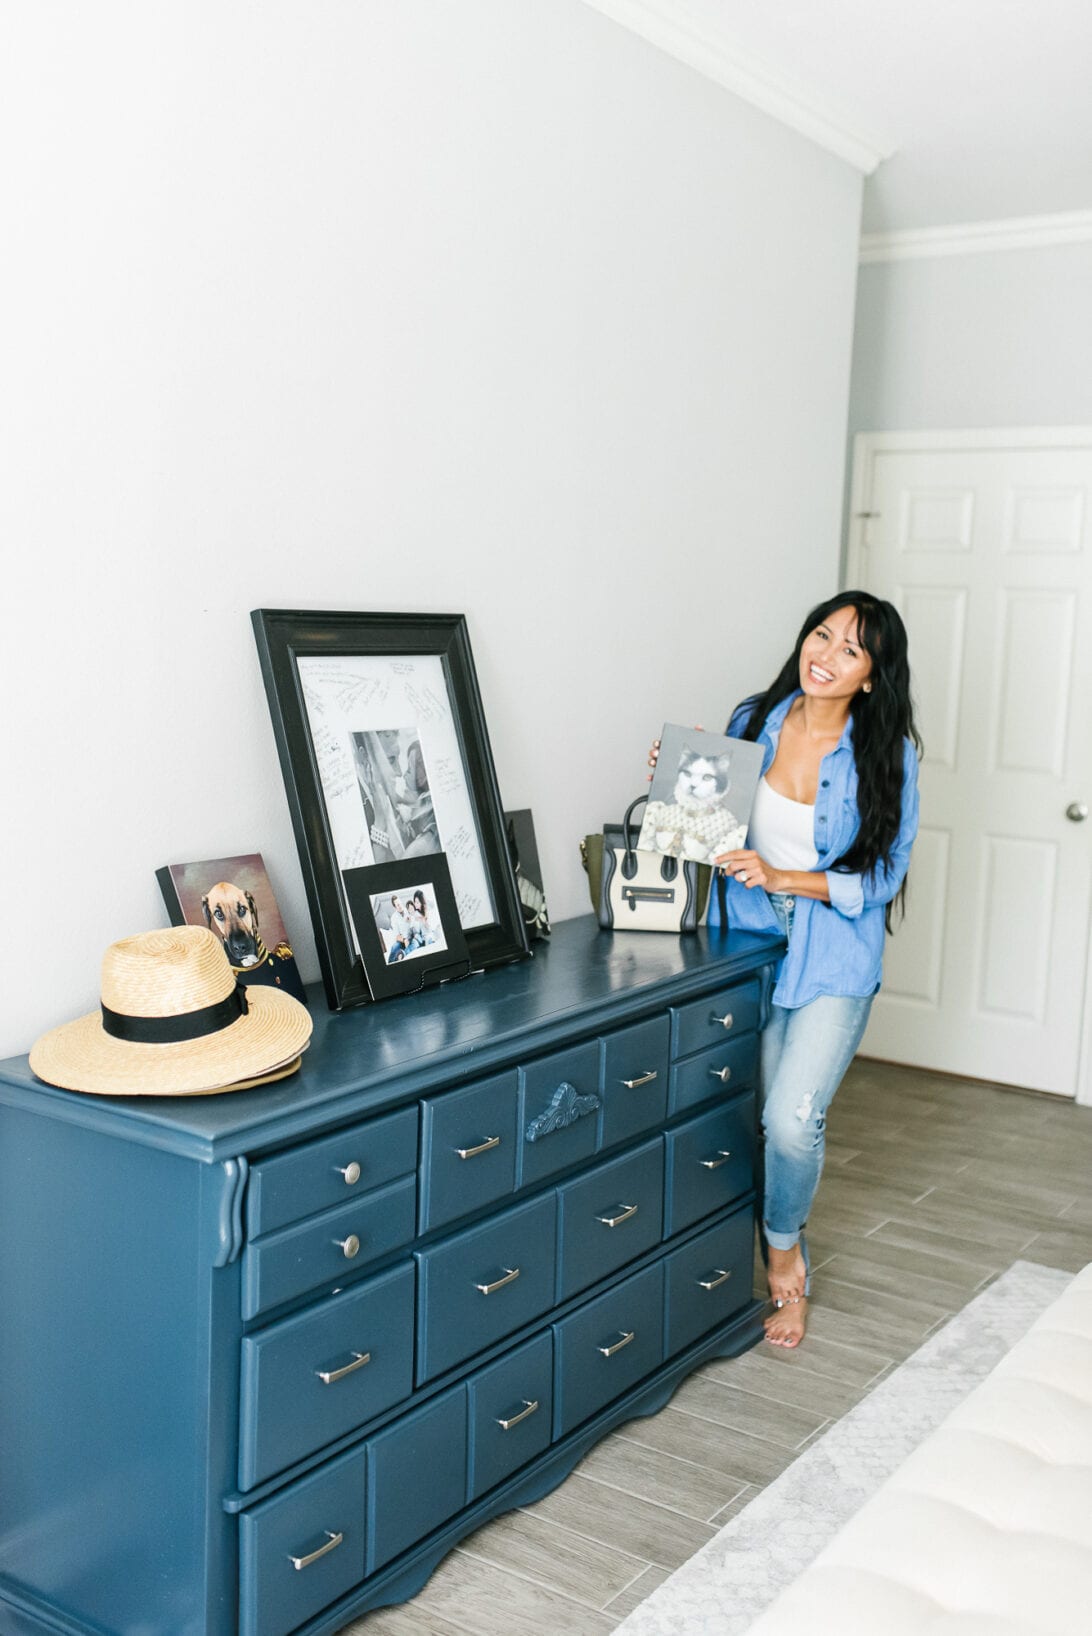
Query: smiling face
point(833, 661)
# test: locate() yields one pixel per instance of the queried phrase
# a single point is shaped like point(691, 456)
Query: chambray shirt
point(835, 947)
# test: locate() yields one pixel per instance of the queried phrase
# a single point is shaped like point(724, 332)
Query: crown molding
point(668, 25)
point(977, 238)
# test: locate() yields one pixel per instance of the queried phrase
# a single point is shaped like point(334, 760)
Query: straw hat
point(173, 1023)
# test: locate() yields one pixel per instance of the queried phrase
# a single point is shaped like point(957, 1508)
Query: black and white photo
point(700, 801)
point(386, 759)
point(394, 791)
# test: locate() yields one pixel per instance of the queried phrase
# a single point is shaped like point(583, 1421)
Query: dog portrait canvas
point(702, 792)
point(233, 897)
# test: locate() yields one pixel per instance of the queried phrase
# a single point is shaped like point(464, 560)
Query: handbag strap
point(627, 836)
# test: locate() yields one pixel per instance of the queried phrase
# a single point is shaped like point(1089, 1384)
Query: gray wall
point(486, 308)
point(995, 339)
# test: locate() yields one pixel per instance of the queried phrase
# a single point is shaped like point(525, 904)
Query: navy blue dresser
point(266, 1356)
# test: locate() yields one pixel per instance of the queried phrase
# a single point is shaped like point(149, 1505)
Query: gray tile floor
point(933, 1186)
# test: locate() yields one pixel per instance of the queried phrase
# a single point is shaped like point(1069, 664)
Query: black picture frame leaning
point(323, 641)
point(421, 966)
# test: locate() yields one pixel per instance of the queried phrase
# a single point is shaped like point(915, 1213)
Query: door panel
point(982, 541)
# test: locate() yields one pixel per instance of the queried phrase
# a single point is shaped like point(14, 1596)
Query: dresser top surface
point(363, 1061)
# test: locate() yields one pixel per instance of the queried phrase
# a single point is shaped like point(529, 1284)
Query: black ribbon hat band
point(188, 1025)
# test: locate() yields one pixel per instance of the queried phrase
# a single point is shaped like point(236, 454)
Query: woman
point(829, 842)
point(419, 918)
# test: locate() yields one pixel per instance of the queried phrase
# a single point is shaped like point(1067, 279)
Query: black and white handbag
point(634, 891)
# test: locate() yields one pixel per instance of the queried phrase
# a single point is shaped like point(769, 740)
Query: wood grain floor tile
point(967, 1255)
point(534, 1548)
point(695, 1491)
point(633, 1595)
point(725, 1405)
point(1080, 1212)
point(887, 1315)
point(721, 1448)
point(487, 1601)
point(408, 1619)
point(757, 1372)
point(1069, 1250)
point(737, 1505)
point(636, 1526)
point(882, 1273)
point(1007, 1231)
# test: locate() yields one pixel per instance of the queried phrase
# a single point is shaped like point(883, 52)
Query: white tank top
point(782, 831)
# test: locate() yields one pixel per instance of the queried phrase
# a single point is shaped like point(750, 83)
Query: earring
point(867, 688)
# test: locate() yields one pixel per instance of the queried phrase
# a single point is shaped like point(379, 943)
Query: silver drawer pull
point(529, 1408)
point(628, 1211)
point(627, 1336)
point(351, 1172)
point(643, 1079)
point(723, 1155)
point(328, 1376)
point(332, 1543)
point(719, 1277)
point(482, 1147)
point(725, 1021)
point(723, 1074)
point(348, 1246)
point(510, 1274)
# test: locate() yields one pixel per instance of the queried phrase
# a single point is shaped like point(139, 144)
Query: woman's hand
point(751, 870)
point(654, 751)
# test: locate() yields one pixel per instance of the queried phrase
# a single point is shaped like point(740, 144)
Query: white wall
point(482, 307)
point(994, 339)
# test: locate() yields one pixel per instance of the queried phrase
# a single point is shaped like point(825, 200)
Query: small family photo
point(702, 791)
point(393, 783)
point(408, 923)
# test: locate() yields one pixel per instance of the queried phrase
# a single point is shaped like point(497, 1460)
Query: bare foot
point(787, 1274)
point(788, 1280)
point(786, 1325)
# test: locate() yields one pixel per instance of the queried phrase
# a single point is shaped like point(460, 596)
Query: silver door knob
point(1077, 812)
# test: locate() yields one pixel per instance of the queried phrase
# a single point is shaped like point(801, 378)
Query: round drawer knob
point(348, 1246)
point(351, 1172)
point(726, 1021)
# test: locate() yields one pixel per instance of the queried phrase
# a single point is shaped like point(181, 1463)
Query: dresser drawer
point(312, 1378)
point(609, 1217)
point(708, 1279)
point(301, 1550)
point(324, 1173)
point(732, 1010)
point(510, 1407)
point(607, 1346)
point(720, 1070)
point(559, 1106)
point(710, 1162)
point(416, 1476)
point(479, 1285)
point(328, 1247)
point(468, 1149)
point(634, 1080)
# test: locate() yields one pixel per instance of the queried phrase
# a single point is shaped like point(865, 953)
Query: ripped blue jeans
point(805, 1053)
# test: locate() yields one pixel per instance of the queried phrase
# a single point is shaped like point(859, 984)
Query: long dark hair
point(883, 719)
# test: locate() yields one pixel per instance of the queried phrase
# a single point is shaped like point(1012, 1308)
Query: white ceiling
point(983, 106)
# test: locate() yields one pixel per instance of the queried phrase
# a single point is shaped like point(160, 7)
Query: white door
point(983, 540)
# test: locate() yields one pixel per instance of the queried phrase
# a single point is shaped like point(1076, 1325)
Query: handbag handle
point(669, 867)
point(627, 838)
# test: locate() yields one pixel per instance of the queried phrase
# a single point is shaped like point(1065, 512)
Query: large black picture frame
point(326, 643)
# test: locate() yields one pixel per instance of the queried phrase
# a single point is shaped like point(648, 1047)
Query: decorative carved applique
point(566, 1106)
